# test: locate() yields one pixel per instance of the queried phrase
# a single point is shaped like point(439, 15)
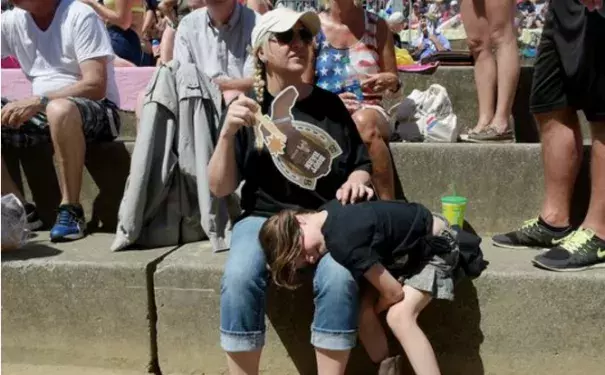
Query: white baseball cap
point(281, 20)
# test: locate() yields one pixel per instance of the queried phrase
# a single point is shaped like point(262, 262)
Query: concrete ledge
point(460, 85)
point(503, 182)
point(78, 304)
point(515, 319)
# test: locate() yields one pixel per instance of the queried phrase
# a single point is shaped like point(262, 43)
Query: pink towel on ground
point(418, 67)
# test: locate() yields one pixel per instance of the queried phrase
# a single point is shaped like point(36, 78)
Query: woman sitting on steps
point(354, 57)
point(322, 158)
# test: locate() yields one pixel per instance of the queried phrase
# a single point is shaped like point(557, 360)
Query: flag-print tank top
point(334, 65)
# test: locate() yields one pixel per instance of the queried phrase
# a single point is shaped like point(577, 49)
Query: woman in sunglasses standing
point(323, 158)
point(354, 57)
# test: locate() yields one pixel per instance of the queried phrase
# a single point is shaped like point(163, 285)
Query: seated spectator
point(396, 24)
point(124, 19)
point(429, 42)
point(448, 11)
point(281, 42)
point(173, 12)
point(368, 63)
point(433, 12)
point(416, 15)
point(216, 39)
point(70, 66)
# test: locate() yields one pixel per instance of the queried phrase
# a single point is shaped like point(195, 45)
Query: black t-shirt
point(324, 120)
point(361, 235)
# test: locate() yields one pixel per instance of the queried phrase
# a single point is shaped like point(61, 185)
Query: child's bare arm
point(387, 286)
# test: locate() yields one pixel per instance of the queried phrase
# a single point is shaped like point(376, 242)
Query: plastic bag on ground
point(434, 114)
point(14, 221)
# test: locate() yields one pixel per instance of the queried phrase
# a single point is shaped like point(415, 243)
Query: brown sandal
point(490, 134)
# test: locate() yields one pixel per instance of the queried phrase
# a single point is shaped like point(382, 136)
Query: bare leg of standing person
point(474, 18)
point(595, 217)
point(500, 15)
point(562, 156)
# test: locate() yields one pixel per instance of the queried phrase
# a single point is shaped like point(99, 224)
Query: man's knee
point(60, 110)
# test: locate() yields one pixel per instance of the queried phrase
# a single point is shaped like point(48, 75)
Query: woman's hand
point(351, 192)
point(240, 113)
point(350, 101)
point(381, 82)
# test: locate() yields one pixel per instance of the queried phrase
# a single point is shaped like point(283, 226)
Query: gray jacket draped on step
point(167, 200)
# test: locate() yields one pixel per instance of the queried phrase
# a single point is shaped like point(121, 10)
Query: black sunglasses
point(288, 36)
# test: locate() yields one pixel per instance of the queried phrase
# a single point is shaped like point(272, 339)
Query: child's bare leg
point(371, 333)
point(402, 318)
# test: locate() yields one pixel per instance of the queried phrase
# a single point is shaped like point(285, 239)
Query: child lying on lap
point(406, 253)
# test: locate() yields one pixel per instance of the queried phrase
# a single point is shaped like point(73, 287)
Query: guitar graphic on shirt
point(302, 152)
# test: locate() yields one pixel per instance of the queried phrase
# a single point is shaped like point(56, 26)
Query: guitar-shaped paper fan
point(302, 152)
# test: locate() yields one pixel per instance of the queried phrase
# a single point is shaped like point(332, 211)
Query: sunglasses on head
point(288, 36)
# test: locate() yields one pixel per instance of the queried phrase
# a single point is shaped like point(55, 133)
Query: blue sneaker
point(70, 224)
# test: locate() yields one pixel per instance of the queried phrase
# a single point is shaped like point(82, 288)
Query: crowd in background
point(142, 31)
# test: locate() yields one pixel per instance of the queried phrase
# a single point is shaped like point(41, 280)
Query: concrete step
point(460, 85)
point(27, 369)
point(504, 183)
point(78, 304)
point(459, 81)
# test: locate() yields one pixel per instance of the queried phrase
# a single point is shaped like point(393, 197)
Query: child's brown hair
point(280, 237)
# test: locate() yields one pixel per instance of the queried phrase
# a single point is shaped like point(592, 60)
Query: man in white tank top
point(64, 50)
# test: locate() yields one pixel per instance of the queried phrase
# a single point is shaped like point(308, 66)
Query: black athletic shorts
point(570, 68)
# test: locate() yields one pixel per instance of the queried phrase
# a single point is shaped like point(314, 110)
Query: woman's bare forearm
point(222, 168)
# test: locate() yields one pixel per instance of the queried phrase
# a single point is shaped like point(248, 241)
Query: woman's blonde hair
point(280, 237)
point(260, 76)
